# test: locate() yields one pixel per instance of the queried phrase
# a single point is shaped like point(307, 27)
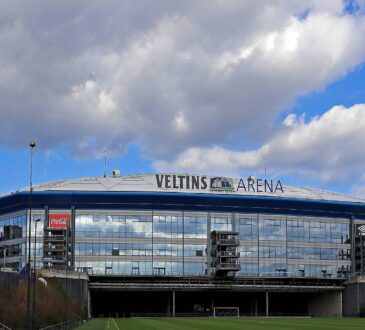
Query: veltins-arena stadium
point(183, 244)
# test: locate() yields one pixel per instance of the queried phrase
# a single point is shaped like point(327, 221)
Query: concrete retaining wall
point(354, 297)
point(327, 304)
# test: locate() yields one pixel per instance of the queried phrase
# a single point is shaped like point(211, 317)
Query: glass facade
point(294, 246)
point(14, 242)
point(178, 243)
point(141, 243)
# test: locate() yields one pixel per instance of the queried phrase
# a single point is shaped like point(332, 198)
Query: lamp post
point(34, 270)
point(32, 145)
point(66, 269)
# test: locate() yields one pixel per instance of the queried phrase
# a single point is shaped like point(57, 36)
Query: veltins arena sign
point(203, 182)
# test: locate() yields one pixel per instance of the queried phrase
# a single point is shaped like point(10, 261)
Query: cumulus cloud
point(174, 77)
point(328, 147)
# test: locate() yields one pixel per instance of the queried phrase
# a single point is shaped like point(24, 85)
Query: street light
point(34, 270)
point(32, 145)
point(66, 269)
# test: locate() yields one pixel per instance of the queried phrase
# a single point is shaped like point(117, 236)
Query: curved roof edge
point(190, 183)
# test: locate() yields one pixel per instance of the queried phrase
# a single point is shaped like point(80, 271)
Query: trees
point(50, 302)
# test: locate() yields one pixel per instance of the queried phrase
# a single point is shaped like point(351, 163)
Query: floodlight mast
point(32, 145)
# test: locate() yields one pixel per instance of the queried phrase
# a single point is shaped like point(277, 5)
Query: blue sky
point(205, 87)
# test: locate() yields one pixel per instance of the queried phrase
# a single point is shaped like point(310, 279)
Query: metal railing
point(55, 247)
point(4, 327)
point(68, 325)
point(232, 254)
point(54, 238)
point(231, 241)
point(228, 265)
point(243, 274)
point(208, 313)
point(54, 262)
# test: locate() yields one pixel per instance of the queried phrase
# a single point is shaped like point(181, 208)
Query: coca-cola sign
point(59, 221)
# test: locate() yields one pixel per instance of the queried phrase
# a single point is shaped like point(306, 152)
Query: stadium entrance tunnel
point(200, 303)
point(125, 303)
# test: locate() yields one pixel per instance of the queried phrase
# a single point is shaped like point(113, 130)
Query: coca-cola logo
point(59, 221)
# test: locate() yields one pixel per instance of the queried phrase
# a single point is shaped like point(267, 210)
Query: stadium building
point(181, 243)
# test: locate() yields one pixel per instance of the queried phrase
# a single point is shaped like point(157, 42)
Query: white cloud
point(173, 76)
point(180, 123)
point(358, 190)
point(293, 120)
point(328, 147)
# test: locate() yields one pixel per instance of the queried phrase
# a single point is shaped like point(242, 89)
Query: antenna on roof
point(104, 162)
point(265, 171)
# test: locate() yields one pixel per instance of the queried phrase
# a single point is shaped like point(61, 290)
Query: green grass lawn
point(225, 324)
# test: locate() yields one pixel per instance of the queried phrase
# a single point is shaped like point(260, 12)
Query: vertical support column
point(173, 303)
point(234, 224)
point(267, 302)
point(209, 246)
point(152, 241)
point(73, 233)
point(168, 305)
point(286, 242)
point(46, 217)
point(256, 306)
point(258, 245)
point(183, 243)
point(362, 255)
point(88, 303)
point(352, 244)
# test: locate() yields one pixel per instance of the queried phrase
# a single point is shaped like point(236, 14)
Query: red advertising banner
point(59, 221)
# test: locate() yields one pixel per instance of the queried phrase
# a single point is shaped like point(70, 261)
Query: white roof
point(147, 183)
